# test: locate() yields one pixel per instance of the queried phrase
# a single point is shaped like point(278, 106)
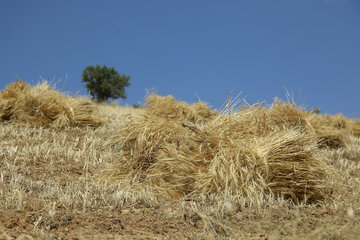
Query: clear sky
point(191, 48)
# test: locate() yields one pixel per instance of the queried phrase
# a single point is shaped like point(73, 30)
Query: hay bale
point(354, 126)
point(17, 86)
point(178, 110)
point(283, 162)
point(330, 131)
point(281, 114)
point(294, 167)
point(238, 154)
point(42, 106)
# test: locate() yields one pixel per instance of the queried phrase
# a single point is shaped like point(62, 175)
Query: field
point(73, 169)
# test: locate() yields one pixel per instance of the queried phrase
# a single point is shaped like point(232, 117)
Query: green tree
point(104, 83)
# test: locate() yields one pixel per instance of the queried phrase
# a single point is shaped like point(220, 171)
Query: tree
point(104, 83)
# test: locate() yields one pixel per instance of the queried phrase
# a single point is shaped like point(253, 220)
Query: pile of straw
point(42, 106)
point(178, 151)
point(330, 131)
point(177, 110)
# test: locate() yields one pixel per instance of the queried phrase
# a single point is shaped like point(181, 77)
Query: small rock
point(230, 207)
point(350, 212)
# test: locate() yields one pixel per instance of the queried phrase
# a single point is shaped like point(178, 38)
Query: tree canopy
point(104, 83)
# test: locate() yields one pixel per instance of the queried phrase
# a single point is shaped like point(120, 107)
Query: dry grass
point(253, 151)
point(229, 176)
point(329, 131)
point(172, 110)
point(42, 106)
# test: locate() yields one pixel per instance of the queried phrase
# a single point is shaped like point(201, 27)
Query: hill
point(172, 170)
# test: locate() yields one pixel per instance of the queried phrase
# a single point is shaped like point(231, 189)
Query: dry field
point(72, 169)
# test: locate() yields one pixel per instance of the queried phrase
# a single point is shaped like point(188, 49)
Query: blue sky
point(192, 48)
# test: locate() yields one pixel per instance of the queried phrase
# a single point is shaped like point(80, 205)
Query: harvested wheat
point(177, 110)
point(42, 106)
point(247, 153)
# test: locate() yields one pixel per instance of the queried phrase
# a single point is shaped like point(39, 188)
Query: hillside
point(73, 169)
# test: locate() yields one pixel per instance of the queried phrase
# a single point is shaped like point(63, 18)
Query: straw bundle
point(178, 111)
point(354, 126)
point(42, 106)
point(239, 154)
point(330, 131)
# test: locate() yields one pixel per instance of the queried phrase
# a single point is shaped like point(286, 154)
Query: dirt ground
point(170, 222)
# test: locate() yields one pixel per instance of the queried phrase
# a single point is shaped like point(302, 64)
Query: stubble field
point(176, 171)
